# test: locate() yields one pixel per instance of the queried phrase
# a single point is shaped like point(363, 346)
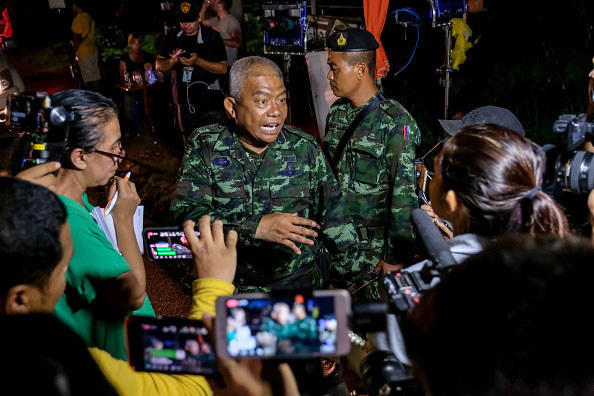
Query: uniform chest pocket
point(230, 202)
point(367, 165)
point(291, 196)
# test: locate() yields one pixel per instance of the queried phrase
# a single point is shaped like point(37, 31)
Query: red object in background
point(5, 25)
point(375, 18)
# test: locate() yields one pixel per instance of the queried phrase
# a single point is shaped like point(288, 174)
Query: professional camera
point(569, 169)
point(43, 129)
point(284, 26)
point(385, 367)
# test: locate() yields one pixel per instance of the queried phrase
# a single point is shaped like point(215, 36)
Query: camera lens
point(578, 175)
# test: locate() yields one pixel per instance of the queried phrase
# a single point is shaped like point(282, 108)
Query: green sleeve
point(94, 257)
point(400, 157)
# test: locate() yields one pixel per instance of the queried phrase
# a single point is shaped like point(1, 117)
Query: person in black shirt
point(136, 60)
point(197, 56)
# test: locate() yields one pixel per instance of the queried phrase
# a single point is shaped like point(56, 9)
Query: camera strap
point(334, 161)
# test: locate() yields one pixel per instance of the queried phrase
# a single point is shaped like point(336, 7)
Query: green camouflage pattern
point(364, 174)
point(219, 180)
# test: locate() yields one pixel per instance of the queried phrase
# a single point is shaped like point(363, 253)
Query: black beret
point(351, 40)
point(187, 10)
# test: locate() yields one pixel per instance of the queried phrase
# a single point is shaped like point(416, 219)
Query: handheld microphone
point(435, 245)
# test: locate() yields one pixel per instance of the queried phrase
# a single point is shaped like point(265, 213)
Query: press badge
point(187, 75)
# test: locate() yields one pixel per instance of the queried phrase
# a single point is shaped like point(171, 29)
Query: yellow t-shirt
point(84, 25)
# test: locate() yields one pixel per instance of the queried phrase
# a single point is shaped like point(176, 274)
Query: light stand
point(441, 13)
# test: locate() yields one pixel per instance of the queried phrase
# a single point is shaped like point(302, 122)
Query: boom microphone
point(435, 245)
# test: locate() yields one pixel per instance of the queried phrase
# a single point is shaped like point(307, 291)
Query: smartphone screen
point(166, 243)
point(298, 326)
point(169, 345)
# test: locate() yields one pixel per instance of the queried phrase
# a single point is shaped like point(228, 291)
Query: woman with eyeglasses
point(103, 285)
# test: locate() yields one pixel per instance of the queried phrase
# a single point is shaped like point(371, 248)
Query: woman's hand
point(128, 199)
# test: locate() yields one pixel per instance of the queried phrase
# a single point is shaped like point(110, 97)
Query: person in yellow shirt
point(35, 249)
point(84, 47)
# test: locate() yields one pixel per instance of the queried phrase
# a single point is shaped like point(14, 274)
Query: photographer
point(103, 285)
point(509, 321)
point(35, 249)
point(197, 56)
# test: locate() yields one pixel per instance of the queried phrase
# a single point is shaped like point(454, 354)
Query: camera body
point(42, 129)
point(567, 168)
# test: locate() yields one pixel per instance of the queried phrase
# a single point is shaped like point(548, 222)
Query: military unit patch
point(221, 161)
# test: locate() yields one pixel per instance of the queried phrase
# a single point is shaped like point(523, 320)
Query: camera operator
point(512, 320)
point(35, 249)
point(103, 285)
point(197, 55)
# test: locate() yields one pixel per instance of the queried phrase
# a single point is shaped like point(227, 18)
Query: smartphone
point(259, 325)
point(185, 54)
point(166, 243)
point(169, 345)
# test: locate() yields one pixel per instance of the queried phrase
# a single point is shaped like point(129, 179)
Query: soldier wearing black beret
point(370, 141)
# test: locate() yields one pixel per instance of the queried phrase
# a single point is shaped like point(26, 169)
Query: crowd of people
point(508, 318)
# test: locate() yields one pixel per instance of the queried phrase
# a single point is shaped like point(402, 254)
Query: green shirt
point(94, 259)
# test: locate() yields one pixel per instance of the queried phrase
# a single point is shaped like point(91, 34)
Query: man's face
point(435, 190)
point(135, 45)
point(262, 110)
point(190, 28)
point(342, 76)
point(51, 292)
point(282, 315)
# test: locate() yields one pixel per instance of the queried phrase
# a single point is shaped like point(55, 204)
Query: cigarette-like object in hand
point(112, 201)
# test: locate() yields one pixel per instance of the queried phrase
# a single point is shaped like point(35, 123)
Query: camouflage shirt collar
point(228, 140)
point(358, 109)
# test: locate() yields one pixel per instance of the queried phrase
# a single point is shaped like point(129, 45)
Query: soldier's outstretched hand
point(286, 229)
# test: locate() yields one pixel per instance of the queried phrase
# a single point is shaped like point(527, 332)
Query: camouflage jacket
point(385, 139)
point(219, 180)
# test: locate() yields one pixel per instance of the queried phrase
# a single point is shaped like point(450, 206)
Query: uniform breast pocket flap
point(367, 165)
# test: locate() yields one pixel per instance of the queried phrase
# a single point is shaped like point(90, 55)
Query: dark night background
point(537, 63)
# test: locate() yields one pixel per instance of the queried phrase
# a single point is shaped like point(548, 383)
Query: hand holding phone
point(215, 256)
point(258, 325)
point(169, 345)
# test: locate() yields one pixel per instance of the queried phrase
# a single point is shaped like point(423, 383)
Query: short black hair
point(365, 57)
point(512, 320)
point(92, 111)
point(45, 357)
point(31, 218)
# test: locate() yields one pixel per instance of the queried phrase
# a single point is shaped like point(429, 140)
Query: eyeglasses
point(123, 158)
point(113, 155)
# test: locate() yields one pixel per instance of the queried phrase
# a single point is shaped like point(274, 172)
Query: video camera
point(284, 26)
point(43, 129)
point(386, 368)
point(569, 169)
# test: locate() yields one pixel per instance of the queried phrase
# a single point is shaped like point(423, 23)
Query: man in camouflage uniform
point(272, 184)
point(376, 169)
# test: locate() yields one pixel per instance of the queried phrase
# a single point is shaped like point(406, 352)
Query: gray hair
point(92, 111)
point(250, 66)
